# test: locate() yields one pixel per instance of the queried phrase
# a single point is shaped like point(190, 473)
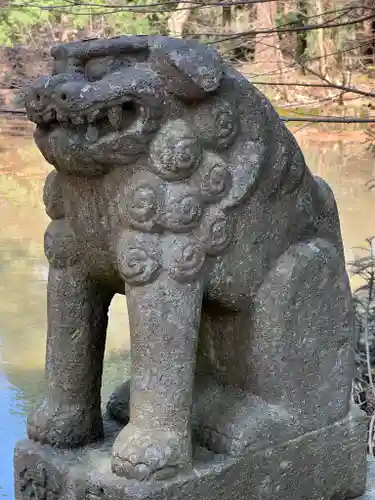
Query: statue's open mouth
point(106, 122)
point(96, 122)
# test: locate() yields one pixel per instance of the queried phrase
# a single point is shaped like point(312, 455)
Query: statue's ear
point(191, 70)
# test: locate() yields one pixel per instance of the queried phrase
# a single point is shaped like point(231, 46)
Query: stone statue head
point(106, 99)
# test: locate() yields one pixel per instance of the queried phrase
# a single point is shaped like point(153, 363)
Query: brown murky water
point(346, 165)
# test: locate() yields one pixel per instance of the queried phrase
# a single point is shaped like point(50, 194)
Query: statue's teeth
point(115, 117)
point(78, 120)
point(91, 117)
point(61, 118)
point(50, 115)
point(92, 133)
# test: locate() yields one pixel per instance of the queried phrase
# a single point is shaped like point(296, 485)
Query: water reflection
point(12, 410)
point(346, 166)
point(24, 271)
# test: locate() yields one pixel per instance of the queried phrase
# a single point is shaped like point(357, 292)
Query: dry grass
point(364, 303)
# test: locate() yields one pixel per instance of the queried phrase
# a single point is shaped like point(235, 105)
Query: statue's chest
point(97, 209)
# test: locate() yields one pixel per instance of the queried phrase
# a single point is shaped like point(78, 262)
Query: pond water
point(346, 164)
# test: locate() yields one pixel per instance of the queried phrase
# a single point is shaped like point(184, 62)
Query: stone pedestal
point(370, 487)
point(327, 464)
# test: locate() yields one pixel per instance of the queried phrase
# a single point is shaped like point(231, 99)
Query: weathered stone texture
point(317, 465)
point(177, 184)
point(370, 487)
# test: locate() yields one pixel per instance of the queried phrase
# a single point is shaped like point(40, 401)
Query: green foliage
point(291, 19)
point(19, 22)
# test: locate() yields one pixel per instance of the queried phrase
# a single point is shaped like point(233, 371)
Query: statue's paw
point(141, 453)
point(118, 404)
point(64, 425)
point(238, 420)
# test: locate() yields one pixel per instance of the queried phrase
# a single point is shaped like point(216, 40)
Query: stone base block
point(370, 487)
point(327, 464)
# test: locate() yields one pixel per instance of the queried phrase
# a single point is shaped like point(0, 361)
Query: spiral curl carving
point(176, 152)
point(144, 206)
point(217, 232)
point(60, 244)
point(217, 124)
point(143, 203)
point(187, 260)
point(183, 210)
point(215, 179)
point(138, 260)
point(226, 126)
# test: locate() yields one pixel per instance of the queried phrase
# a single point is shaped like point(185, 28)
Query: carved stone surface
point(370, 487)
point(177, 184)
point(38, 482)
point(280, 472)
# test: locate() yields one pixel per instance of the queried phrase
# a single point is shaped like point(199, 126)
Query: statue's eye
point(96, 68)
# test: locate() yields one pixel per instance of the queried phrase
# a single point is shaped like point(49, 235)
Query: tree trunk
point(268, 58)
point(178, 19)
point(266, 49)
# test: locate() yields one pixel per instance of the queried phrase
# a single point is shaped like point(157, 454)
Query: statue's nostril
point(38, 97)
point(63, 96)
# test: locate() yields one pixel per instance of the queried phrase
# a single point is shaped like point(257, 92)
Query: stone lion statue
point(177, 184)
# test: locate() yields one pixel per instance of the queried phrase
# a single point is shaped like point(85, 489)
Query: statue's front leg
point(69, 414)
point(164, 321)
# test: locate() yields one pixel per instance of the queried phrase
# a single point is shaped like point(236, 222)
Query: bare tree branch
point(308, 27)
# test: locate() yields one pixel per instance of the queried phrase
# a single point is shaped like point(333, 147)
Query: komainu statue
point(177, 184)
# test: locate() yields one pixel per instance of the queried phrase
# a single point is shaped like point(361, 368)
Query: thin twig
point(307, 27)
point(370, 435)
point(327, 119)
